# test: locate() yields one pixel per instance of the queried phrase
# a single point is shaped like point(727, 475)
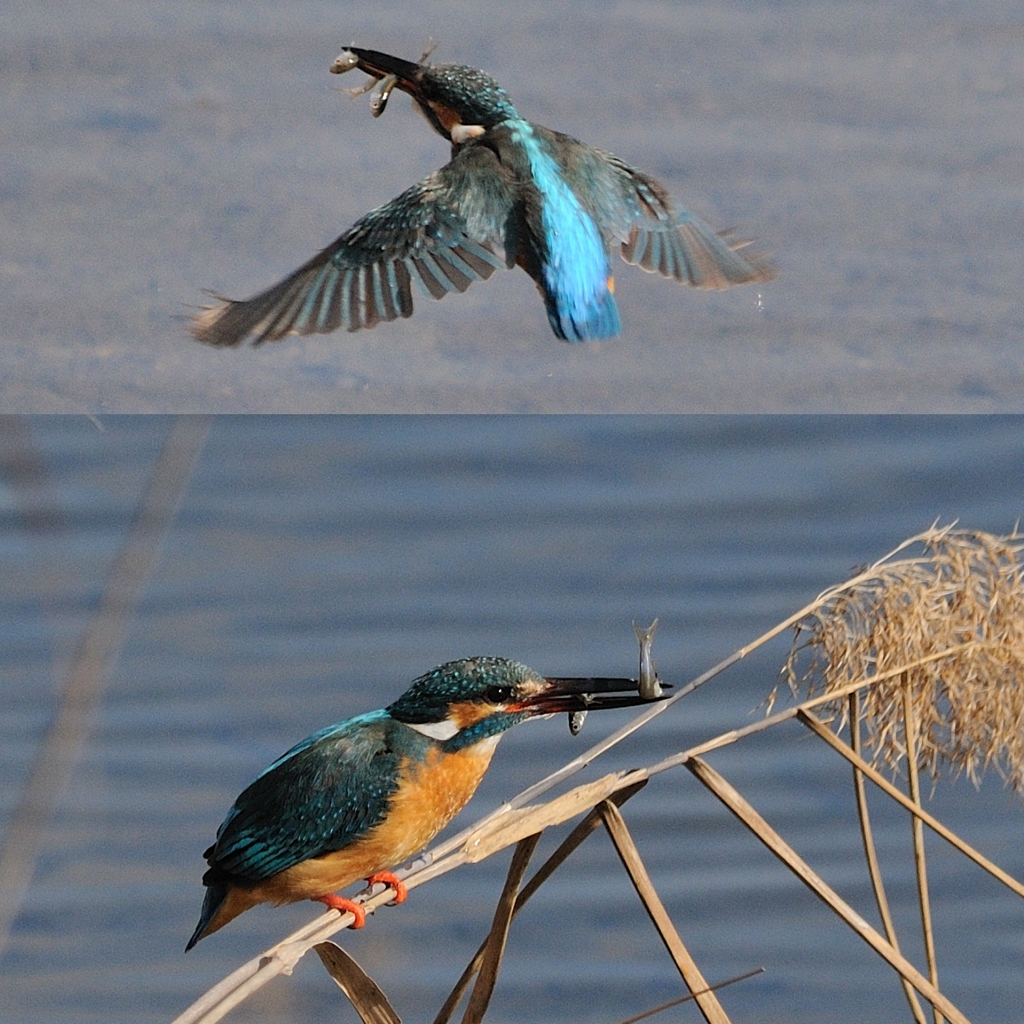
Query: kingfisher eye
point(499, 694)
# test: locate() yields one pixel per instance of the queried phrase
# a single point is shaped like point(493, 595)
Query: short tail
point(216, 894)
point(591, 319)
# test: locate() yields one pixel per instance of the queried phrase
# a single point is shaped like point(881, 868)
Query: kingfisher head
point(459, 102)
point(463, 702)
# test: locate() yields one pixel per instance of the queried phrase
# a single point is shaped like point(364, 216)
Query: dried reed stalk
point(870, 852)
point(743, 810)
point(917, 830)
point(494, 948)
point(707, 1001)
point(544, 872)
point(362, 991)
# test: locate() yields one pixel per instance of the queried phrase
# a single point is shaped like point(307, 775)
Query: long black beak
point(390, 72)
point(378, 65)
point(595, 693)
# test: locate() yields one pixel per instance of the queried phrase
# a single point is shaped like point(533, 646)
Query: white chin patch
point(486, 746)
point(435, 730)
point(462, 133)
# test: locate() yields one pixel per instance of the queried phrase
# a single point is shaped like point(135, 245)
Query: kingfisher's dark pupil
point(499, 694)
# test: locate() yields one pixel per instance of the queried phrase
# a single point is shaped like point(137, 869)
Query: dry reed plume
point(964, 594)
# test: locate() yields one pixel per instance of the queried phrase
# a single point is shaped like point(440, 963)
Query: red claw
point(340, 903)
point(387, 878)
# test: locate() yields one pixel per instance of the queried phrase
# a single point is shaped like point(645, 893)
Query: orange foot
point(342, 904)
point(391, 880)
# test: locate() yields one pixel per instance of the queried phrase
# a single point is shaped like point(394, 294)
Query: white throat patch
point(435, 730)
point(462, 133)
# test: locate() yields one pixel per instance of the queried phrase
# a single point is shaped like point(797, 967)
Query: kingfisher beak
point(586, 694)
point(376, 64)
point(390, 72)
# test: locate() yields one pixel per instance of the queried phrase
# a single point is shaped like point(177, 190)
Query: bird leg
point(335, 902)
point(393, 881)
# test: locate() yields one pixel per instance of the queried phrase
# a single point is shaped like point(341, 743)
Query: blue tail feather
point(216, 894)
point(598, 320)
point(572, 257)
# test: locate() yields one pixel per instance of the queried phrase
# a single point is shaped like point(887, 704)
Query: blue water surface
point(315, 566)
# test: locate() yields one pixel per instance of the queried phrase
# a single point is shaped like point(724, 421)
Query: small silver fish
point(649, 685)
point(577, 718)
point(379, 100)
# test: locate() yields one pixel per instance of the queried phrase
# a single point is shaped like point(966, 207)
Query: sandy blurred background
point(152, 150)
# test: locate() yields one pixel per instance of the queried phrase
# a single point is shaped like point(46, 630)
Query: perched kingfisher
point(366, 794)
point(548, 203)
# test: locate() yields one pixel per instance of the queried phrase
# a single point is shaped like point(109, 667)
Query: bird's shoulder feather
point(319, 797)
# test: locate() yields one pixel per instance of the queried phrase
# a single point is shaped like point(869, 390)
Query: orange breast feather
point(430, 795)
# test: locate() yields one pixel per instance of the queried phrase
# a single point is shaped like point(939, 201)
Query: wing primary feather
point(672, 265)
point(430, 275)
point(448, 263)
point(366, 292)
point(653, 255)
point(304, 319)
point(330, 308)
point(629, 245)
point(374, 292)
point(390, 288)
point(343, 299)
point(479, 267)
point(276, 323)
point(665, 260)
point(403, 288)
point(355, 305)
point(640, 246)
point(387, 291)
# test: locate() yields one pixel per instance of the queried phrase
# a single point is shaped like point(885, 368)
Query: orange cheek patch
point(448, 118)
point(468, 713)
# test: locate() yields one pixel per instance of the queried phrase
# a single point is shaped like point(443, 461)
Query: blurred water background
point(315, 566)
point(153, 150)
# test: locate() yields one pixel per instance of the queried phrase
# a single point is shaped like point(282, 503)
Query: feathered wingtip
point(203, 325)
point(759, 262)
point(216, 894)
point(695, 254)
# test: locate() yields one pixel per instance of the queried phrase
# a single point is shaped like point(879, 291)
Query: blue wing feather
point(320, 796)
point(635, 211)
point(453, 219)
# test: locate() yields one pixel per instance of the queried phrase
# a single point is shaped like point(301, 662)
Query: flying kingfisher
point(366, 794)
point(513, 193)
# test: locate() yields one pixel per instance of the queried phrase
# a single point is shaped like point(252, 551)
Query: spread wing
point(441, 233)
point(319, 797)
point(653, 232)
